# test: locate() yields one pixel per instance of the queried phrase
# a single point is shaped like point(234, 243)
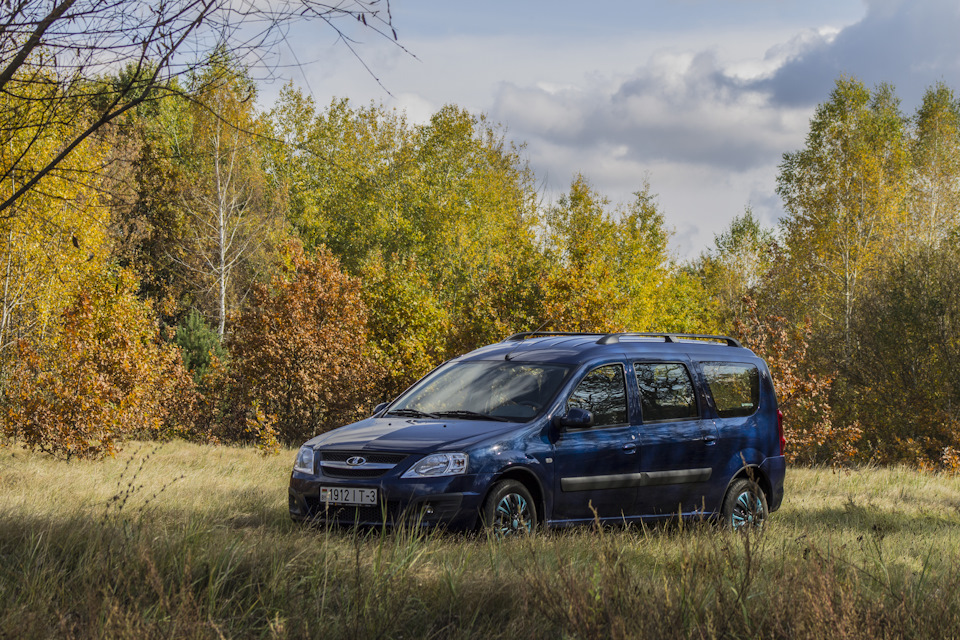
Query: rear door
point(597, 468)
point(678, 444)
point(734, 396)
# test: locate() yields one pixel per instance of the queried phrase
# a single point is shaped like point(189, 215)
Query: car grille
point(353, 473)
point(334, 463)
point(379, 458)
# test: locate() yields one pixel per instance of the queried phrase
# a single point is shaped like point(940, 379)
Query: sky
point(701, 98)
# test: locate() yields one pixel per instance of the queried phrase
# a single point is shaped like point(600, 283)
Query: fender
point(528, 470)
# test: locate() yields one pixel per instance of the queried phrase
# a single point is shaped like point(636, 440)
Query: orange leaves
point(299, 353)
point(803, 394)
point(99, 377)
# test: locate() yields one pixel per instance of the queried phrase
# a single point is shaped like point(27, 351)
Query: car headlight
point(438, 464)
point(304, 461)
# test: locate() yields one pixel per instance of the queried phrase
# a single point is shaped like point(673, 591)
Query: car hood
point(411, 435)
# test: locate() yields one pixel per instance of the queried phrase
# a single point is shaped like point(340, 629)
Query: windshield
point(483, 389)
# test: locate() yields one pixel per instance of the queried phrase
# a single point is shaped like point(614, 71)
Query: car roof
point(577, 348)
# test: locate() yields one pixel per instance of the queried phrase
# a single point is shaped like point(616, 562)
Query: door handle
point(630, 448)
point(710, 438)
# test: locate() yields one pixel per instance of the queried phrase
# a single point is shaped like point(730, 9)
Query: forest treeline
point(207, 269)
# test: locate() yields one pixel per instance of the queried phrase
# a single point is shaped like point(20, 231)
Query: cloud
point(709, 129)
point(908, 44)
point(694, 107)
point(679, 107)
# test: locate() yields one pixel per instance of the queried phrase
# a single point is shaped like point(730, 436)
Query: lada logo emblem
point(356, 461)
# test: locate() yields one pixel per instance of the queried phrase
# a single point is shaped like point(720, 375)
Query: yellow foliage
point(55, 236)
point(611, 270)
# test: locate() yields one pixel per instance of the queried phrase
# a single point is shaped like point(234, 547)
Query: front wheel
point(744, 506)
point(509, 510)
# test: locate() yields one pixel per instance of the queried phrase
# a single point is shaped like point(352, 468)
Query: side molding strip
point(644, 479)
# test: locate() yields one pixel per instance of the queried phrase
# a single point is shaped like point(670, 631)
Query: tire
point(509, 510)
point(744, 506)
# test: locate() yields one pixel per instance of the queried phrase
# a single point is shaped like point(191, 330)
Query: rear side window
point(735, 387)
point(603, 393)
point(666, 392)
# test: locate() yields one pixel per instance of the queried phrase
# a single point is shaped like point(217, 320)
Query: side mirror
point(576, 418)
point(380, 407)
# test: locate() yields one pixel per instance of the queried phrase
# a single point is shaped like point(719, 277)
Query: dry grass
point(191, 541)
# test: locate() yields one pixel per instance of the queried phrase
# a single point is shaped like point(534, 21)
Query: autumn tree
point(844, 196)
point(408, 326)
point(813, 432)
point(611, 270)
point(230, 209)
point(299, 352)
point(57, 235)
point(736, 265)
point(934, 197)
point(65, 53)
point(451, 196)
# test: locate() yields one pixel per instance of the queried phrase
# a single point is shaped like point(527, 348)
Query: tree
point(803, 393)
point(736, 265)
point(408, 325)
point(230, 208)
point(59, 235)
point(199, 345)
point(844, 195)
point(299, 351)
point(935, 177)
point(611, 270)
point(63, 54)
point(450, 196)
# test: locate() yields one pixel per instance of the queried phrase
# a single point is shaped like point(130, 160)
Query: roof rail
point(614, 338)
point(517, 337)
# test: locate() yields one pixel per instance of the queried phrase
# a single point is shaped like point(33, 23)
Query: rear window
point(735, 387)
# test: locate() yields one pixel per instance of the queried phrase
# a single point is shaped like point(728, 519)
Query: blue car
point(558, 429)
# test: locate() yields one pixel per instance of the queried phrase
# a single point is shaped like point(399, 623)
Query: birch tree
point(935, 179)
point(230, 209)
point(844, 194)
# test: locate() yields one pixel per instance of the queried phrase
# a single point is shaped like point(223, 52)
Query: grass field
point(193, 541)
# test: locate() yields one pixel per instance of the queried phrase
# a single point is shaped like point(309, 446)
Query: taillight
point(783, 439)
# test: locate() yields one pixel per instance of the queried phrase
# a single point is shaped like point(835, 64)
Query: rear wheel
point(744, 506)
point(509, 510)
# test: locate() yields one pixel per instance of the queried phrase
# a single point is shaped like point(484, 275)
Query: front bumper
point(452, 501)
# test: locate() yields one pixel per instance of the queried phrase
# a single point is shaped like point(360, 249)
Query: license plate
point(348, 495)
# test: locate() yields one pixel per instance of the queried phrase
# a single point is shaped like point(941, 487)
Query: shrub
point(99, 376)
point(299, 362)
point(803, 395)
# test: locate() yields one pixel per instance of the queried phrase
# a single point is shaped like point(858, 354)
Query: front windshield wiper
point(470, 415)
point(413, 413)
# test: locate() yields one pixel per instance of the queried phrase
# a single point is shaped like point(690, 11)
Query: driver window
point(603, 393)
